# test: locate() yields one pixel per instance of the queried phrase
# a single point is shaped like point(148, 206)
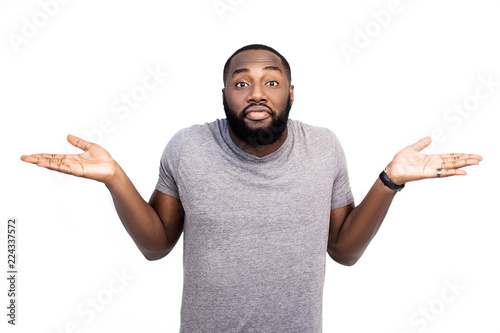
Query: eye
point(272, 83)
point(241, 84)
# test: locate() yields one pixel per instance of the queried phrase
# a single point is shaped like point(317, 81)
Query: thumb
point(78, 142)
point(422, 143)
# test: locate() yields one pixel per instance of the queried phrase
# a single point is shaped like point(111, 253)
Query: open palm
point(94, 163)
point(410, 164)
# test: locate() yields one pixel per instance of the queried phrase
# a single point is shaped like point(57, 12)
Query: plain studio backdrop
point(129, 74)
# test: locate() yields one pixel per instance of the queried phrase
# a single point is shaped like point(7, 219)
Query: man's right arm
point(155, 227)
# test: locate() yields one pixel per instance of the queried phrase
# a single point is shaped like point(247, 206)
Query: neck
point(259, 151)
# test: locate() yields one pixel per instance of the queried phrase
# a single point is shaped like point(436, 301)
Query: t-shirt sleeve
point(168, 173)
point(341, 190)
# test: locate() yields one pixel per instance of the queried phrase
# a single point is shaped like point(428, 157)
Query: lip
point(257, 112)
point(257, 115)
point(257, 108)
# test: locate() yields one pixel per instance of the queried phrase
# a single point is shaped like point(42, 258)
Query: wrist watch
point(388, 182)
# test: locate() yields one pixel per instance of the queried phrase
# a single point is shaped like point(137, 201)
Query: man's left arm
point(352, 228)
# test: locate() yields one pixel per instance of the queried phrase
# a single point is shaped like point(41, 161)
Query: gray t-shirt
point(255, 228)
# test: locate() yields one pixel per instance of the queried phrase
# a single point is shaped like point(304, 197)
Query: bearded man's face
point(257, 97)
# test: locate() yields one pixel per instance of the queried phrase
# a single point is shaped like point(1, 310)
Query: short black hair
point(288, 72)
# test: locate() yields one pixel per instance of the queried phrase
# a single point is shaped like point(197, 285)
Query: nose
point(257, 94)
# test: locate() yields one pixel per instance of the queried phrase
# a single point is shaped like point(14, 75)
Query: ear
point(291, 93)
point(223, 92)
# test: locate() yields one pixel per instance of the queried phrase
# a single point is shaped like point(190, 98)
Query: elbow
point(347, 262)
point(150, 257)
point(157, 251)
point(153, 255)
point(344, 258)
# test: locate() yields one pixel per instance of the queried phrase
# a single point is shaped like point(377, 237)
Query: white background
point(66, 76)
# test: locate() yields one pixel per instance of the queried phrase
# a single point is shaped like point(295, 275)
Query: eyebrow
point(246, 70)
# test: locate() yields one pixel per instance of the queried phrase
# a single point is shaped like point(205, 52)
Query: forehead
point(255, 59)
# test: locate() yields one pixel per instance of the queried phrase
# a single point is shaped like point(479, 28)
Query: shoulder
point(319, 135)
point(192, 138)
point(193, 133)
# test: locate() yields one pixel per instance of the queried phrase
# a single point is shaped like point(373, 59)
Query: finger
point(452, 172)
point(46, 162)
point(78, 142)
point(448, 157)
point(455, 164)
point(29, 159)
point(58, 156)
point(34, 158)
point(62, 165)
point(44, 159)
point(421, 144)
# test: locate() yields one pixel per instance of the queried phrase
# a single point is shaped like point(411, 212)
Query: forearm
point(352, 229)
point(361, 225)
point(139, 219)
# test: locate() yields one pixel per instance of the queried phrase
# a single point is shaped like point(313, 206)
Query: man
point(260, 198)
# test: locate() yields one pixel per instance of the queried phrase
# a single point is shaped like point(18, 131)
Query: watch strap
point(388, 182)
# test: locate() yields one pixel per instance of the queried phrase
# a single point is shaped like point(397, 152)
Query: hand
point(409, 164)
point(94, 163)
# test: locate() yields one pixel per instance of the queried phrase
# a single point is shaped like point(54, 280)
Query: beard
point(258, 136)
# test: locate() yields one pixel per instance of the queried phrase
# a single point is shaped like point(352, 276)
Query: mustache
point(271, 111)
